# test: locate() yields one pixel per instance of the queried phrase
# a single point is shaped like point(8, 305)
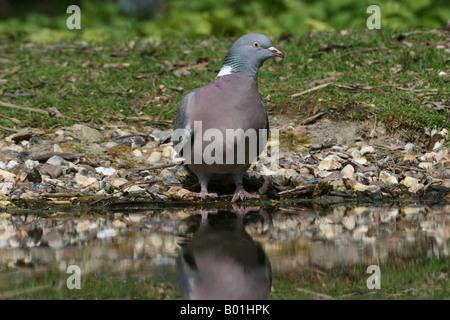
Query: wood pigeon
point(216, 124)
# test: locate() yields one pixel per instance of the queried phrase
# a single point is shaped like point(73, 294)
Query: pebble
point(51, 170)
point(348, 171)
point(84, 181)
point(56, 161)
point(154, 157)
point(366, 150)
point(388, 178)
point(105, 171)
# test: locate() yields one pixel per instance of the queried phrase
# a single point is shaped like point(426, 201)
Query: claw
point(240, 193)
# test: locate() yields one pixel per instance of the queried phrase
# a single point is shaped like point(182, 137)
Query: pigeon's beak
point(277, 54)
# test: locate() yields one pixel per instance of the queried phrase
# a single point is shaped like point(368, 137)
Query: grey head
point(248, 53)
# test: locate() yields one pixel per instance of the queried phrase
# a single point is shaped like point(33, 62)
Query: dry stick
point(160, 166)
point(313, 118)
point(316, 294)
point(10, 105)
point(8, 129)
point(306, 186)
point(310, 90)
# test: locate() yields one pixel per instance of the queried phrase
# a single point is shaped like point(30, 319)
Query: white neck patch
point(224, 71)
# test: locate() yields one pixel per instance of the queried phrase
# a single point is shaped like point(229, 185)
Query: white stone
point(154, 157)
point(2, 165)
point(137, 153)
point(119, 182)
point(348, 171)
point(388, 177)
point(12, 164)
point(6, 188)
point(7, 174)
point(30, 164)
point(425, 165)
point(354, 152)
point(134, 189)
point(56, 161)
point(168, 152)
point(86, 181)
point(361, 160)
point(106, 171)
point(331, 162)
point(367, 149)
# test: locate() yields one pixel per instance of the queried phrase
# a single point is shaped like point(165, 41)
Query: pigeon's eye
point(256, 44)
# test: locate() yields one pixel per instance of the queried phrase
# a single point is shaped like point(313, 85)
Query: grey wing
point(182, 131)
point(262, 142)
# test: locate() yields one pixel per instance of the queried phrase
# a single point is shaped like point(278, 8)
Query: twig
point(310, 90)
point(10, 105)
point(159, 166)
point(313, 119)
point(306, 186)
point(8, 129)
point(316, 294)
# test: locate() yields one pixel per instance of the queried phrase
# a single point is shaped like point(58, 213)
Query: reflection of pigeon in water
point(222, 262)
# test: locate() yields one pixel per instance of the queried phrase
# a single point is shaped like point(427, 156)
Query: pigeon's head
point(248, 54)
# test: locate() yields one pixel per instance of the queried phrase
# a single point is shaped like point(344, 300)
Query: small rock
point(41, 188)
point(425, 165)
point(154, 157)
point(119, 182)
point(360, 160)
point(108, 145)
point(409, 181)
point(366, 150)
point(2, 165)
point(6, 188)
point(56, 161)
point(12, 165)
point(168, 152)
point(300, 131)
point(86, 133)
point(161, 136)
point(331, 162)
point(134, 190)
point(416, 187)
point(84, 181)
point(168, 177)
point(388, 178)
point(410, 148)
point(6, 174)
point(34, 176)
point(348, 171)
point(51, 170)
point(30, 164)
point(137, 153)
point(105, 171)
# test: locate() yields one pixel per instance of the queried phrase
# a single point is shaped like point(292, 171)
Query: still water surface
point(280, 252)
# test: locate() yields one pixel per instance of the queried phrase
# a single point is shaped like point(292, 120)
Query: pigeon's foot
point(240, 193)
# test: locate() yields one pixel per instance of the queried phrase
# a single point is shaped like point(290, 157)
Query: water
point(146, 251)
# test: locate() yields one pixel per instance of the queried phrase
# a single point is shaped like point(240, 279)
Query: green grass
point(416, 279)
point(52, 286)
point(72, 77)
